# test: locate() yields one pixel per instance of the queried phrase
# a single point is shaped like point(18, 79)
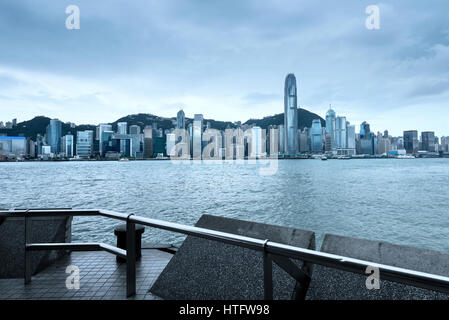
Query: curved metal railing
point(272, 251)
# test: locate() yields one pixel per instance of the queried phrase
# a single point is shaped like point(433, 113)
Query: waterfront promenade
point(101, 278)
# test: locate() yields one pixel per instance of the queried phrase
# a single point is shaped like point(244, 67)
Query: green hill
point(305, 119)
point(38, 125)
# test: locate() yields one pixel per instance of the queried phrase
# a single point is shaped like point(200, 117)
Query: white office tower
point(340, 133)
point(350, 136)
point(257, 145)
point(170, 144)
point(197, 136)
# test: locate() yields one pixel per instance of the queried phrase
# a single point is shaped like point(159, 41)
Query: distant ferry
point(123, 160)
point(403, 156)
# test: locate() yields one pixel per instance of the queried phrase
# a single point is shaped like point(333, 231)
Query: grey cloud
point(430, 89)
point(258, 97)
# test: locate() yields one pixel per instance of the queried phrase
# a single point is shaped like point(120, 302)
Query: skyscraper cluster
point(192, 138)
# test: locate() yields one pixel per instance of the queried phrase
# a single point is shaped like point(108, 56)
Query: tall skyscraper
point(180, 120)
point(428, 141)
point(54, 133)
point(122, 128)
point(148, 142)
point(350, 144)
point(197, 136)
point(100, 129)
point(317, 136)
point(290, 115)
point(84, 143)
point(135, 133)
point(411, 144)
point(340, 133)
point(330, 127)
point(67, 145)
point(366, 141)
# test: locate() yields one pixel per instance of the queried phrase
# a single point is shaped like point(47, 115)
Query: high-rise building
point(31, 148)
point(84, 143)
point(330, 127)
point(445, 144)
point(197, 136)
point(317, 136)
point(366, 140)
point(137, 139)
point(180, 120)
point(327, 142)
point(67, 145)
point(122, 127)
point(383, 145)
point(54, 133)
point(340, 133)
point(134, 129)
point(39, 144)
point(148, 142)
point(428, 141)
point(258, 147)
point(170, 144)
point(159, 146)
point(411, 143)
point(281, 139)
point(290, 115)
point(350, 137)
point(100, 129)
point(16, 146)
point(106, 142)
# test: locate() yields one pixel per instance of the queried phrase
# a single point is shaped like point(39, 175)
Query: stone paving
point(101, 278)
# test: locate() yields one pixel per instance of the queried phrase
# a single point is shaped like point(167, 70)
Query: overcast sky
point(227, 60)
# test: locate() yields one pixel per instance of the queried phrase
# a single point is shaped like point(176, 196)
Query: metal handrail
point(270, 250)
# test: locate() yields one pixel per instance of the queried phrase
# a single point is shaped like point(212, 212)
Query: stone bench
point(43, 230)
point(328, 283)
point(210, 270)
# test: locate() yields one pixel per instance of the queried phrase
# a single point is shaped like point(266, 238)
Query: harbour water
point(400, 201)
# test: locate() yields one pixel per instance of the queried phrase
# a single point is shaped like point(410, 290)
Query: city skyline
point(226, 63)
point(13, 122)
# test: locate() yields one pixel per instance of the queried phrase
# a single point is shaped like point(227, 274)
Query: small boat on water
point(123, 160)
point(323, 158)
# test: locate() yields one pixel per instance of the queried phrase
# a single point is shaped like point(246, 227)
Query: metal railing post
point(267, 274)
point(27, 253)
point(130, 258)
